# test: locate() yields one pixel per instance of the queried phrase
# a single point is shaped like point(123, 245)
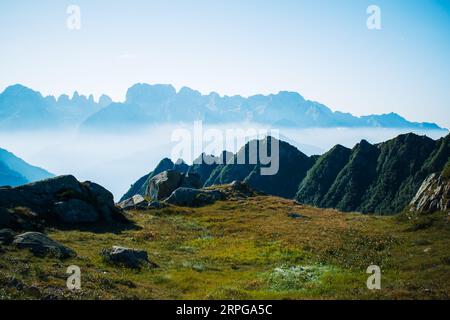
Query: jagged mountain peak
point(162, 103)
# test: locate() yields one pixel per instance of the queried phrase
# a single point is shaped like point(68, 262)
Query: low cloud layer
point(117, 160)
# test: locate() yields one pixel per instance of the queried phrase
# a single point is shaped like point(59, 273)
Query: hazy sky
point(321, 49)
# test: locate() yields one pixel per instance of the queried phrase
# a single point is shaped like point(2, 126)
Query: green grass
point(245, 249)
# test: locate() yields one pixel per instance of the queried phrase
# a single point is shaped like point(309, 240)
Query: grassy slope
point(231, 250)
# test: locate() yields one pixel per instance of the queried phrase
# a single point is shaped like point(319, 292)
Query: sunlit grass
point(245, 249)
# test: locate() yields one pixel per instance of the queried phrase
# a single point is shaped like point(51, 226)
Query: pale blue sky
point(321, 49)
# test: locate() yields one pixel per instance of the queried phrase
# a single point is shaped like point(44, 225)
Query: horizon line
point(177, 91)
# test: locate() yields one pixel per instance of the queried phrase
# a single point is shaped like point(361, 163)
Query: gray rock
point(103, 200)
point(130, 258)
point(6, 236)
point(54, 186)
point(433, 195)
point(189, 197)
point(41, 245)
point(20, 218)
point(60, 200)
point(135, 202)
point(76, 211)
point(162, 185)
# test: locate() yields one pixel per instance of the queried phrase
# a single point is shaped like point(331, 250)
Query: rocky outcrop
point(41, 245)
point(188, 197)
point(76, 211)
point(433, 195)
point(134, 203)
point(140, 186)
point(138, 202)
point(161, 186)
point(238, 190)
point(129, 258)
point(61, 200)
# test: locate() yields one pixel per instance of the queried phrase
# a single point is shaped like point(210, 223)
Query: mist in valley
point(117, 159)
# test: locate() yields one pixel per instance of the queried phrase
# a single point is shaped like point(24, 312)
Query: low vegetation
point(257, 248)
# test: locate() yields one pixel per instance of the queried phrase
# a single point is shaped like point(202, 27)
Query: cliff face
point(433, 195)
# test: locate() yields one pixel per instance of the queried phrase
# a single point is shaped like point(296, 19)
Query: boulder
point(130, 258)
point(162, 185)
point(60, 200)
point(6, 236)
point(41, 245)
point(76, 211)
point(103, 201)
point(189, 197)
point(135, 202)
point(20, 218)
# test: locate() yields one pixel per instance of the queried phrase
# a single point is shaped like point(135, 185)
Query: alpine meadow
point(230, 158)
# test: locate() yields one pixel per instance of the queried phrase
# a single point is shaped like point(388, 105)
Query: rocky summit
point(194, 198)
point(58, 201)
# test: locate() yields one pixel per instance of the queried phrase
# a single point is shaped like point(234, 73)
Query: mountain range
point(22, 108)
point(370, 178)
point(15, 171)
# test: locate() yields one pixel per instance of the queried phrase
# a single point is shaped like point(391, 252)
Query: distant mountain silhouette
point(147, 104)
point(24, 109)
point(14, 171)
point(381, 178)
